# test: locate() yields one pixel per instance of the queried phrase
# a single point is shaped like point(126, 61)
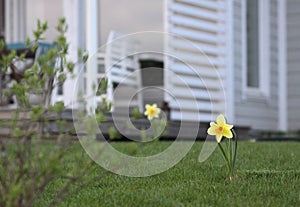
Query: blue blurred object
point(43, 48)
point(16, 46)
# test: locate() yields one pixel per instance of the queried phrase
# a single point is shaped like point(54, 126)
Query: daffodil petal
point(147, 106)
point(227, 133)
point(219, 137)
point(221, 120)
point(229, 126)
point(211, 131)
point(213, 124)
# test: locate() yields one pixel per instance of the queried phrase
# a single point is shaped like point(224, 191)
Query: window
point(256, 47)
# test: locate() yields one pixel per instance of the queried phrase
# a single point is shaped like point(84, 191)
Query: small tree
point(26, 169)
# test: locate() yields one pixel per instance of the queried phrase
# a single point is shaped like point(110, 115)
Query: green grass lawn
point(268, 175)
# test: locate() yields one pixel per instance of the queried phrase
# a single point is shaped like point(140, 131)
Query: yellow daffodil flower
point(220, 128)
point(152, 111)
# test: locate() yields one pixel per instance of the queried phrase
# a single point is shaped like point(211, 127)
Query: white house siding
point(195, 66)
point(293, 63)
point(256, 112)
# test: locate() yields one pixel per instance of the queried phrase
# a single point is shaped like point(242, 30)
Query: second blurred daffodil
point(152, 111)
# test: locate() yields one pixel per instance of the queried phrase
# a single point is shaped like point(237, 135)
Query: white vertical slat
point(139, 82)
point(264, 47)
point(8, 21)
point(167, 60)
point(282, 58)
point(230, 65)
point(244, 47)
point(15, 22)
point(107, 65)
point(23, 19)
point(197, 50)
point(2, 9)
point(73, 15)
point(91, 46)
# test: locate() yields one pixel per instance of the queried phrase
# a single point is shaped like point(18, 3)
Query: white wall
point(44, 10)
point(129, 16)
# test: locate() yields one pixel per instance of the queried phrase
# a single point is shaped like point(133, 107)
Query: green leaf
point(59, 107)
point(62, 20)
point(136, 113)
point(100, 117)
point(2, 44)
point(17, 133)
point(79, 53)
point(62, 77)
point(36, 113)
point(34, 47)
point(70, 67)
point(85, 58)
point(113, 133)
point(22, 57)
point(28, 42)
point(45, 26)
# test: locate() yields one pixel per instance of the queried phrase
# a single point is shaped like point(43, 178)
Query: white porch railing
point(119, 64)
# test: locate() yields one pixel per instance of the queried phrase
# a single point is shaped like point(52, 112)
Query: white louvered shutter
point(196, 58)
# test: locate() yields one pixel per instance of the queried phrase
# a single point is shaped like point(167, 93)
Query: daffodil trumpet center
point(219, 130)
point(151, 111)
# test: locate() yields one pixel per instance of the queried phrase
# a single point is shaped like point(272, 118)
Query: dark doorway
point(152, 81)
point(152, 72)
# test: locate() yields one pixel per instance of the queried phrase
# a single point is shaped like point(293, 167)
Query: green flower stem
point(235, 147)
point(233, 152)
point(224, 156)
point(223, 152)
point(231, 157)
point(230, 153)
point(155, 130)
